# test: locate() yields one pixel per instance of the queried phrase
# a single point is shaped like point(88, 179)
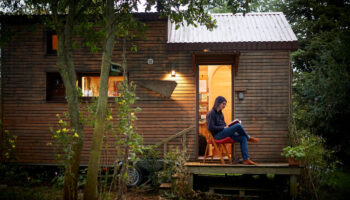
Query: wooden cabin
point(245, 59)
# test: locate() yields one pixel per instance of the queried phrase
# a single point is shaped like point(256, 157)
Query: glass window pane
point(55, 89)
point(90, 85)
point(54, 42)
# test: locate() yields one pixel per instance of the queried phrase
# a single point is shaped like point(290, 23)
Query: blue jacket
point(215, 121)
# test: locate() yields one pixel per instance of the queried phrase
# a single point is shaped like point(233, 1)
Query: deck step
point(165, 186)
point(174, 177)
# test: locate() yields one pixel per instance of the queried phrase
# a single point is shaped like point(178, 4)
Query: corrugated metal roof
point(236, 28)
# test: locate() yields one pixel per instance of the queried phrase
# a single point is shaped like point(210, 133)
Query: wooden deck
point(197, 168)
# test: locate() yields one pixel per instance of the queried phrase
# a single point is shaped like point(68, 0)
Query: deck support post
point(293, 186)
point(196, 168)
point(190, 180)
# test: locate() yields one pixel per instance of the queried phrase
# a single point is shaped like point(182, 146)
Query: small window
point(51, 42)
point(55, 89)
point(91, 82)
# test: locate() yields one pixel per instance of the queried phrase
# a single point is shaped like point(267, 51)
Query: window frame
point(79, 76)
point(48, 36)
point(48, 95)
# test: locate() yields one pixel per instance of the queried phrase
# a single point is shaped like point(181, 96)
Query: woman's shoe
point(253, 139)
point(249, 162)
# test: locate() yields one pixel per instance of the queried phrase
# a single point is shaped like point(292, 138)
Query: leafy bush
point(7, 145)
point(320, 163)
point(297, 152)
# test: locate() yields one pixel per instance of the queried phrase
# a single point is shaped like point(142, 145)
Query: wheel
point(134, 177)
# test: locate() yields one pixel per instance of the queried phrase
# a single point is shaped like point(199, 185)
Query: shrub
point(297, 152)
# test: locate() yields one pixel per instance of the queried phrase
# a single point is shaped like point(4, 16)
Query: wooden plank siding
point(265, 79)
point(27, 114)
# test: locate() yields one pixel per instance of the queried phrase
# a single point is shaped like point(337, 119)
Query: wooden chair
point(219, 147)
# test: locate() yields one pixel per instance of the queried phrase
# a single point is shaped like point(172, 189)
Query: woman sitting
point(217, 126)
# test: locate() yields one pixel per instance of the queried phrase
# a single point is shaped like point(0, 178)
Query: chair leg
point(233, 151)
point(219, 152)
point(226, 151)
point(212, 153)
point(206, 152)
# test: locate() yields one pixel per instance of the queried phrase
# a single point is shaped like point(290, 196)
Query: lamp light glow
point(173, 72)
point(240, 95)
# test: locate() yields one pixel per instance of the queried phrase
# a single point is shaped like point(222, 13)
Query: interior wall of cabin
point(214, 81)
point(219, 83)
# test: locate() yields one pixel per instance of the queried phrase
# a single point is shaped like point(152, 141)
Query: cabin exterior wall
point(264, 75)
point(264, 78)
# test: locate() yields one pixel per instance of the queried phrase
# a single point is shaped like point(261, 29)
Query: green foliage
point(128, 141)
point(171, 162)
point(58, 179)
point(64, 138)
point(126, 114)
point(321, 85)
point(7, 145)
point(337, 187)
point(151, 157)
point(245, 6)
point(229, 6)
point(297, 152)
point(320, 164)
point(180, 189)
point(320, 167)
point(266, 5)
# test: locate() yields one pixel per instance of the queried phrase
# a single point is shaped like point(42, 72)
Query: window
point(51, 42)
point(55, 89)
point(89, 82)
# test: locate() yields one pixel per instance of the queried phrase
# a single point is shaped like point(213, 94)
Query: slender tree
point(95, 152)
point(64, 15)
point(64, 26)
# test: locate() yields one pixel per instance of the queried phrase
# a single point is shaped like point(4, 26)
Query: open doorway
point(214, 80)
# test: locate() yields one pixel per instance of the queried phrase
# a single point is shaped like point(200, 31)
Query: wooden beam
point(278, 169)
point(164, 88)
point(293, 186)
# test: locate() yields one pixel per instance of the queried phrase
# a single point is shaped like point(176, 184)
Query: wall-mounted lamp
point(150, 61)
point(206, 50)
point(240, 95)
point(173, 73)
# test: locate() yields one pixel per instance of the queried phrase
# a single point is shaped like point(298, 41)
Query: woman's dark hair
point(218, 101)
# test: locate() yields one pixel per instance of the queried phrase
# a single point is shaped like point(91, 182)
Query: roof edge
point(288, 45)
point(250, 13)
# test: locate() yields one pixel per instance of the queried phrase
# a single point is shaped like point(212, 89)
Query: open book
point(234, 122)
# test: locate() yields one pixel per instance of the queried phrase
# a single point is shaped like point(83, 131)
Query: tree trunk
point(66, 68)
point(100, 117)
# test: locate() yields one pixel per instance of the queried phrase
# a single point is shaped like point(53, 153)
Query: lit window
point(54, 42)
point(90, 85)
point(89, 82)
point(51, 42)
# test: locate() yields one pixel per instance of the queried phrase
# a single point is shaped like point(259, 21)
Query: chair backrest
point(209, 136)
point(211, 140)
